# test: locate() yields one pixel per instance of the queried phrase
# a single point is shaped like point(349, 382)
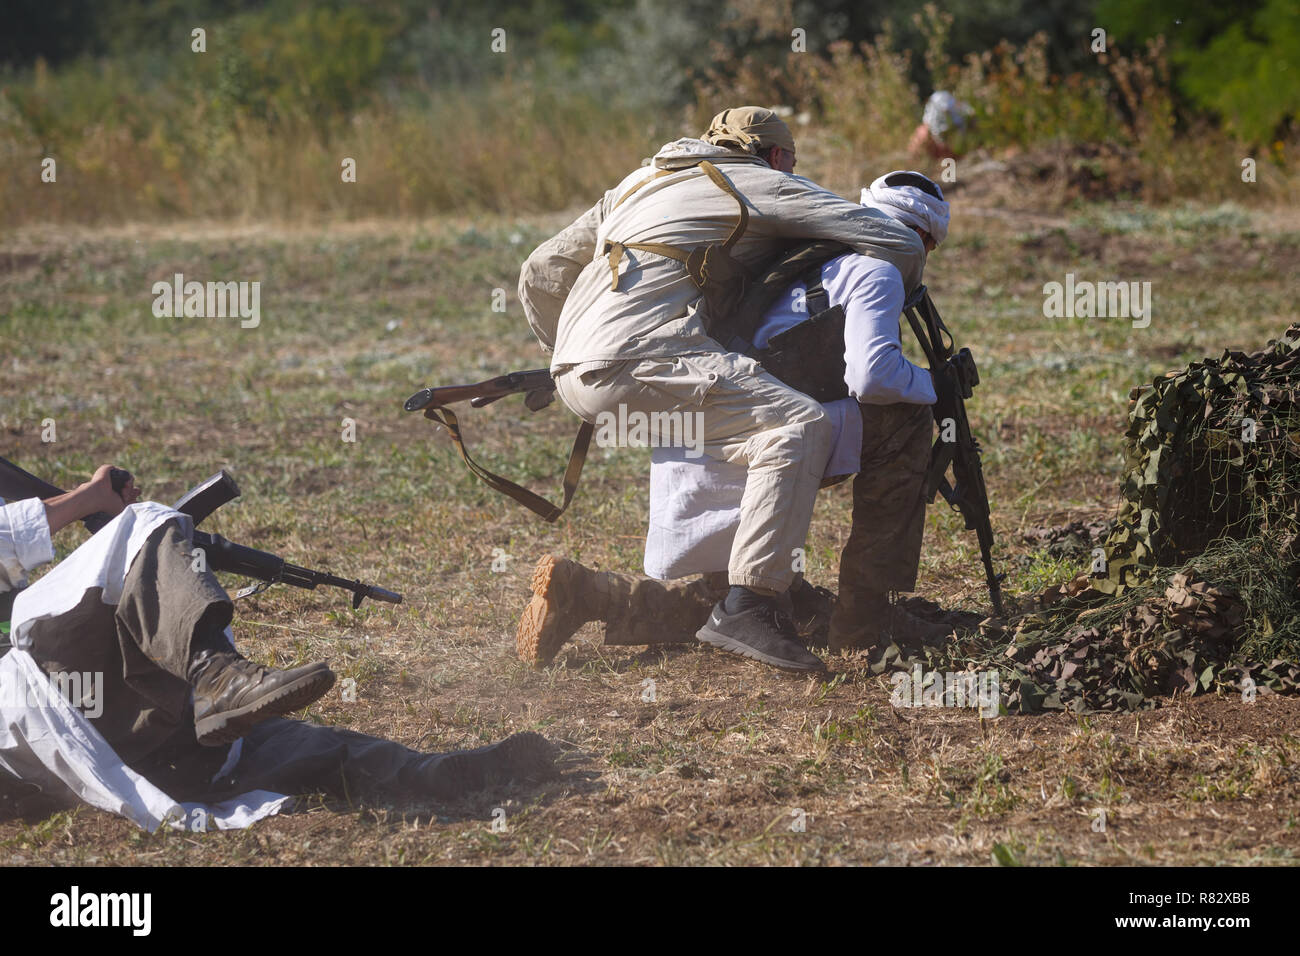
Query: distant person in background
point(944, 114)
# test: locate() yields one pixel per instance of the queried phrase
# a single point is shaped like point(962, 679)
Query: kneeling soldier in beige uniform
point(884, 436)
point(628, 296)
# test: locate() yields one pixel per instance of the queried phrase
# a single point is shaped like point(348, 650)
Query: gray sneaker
point(762, 632)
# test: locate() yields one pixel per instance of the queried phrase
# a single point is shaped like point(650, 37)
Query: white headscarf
point(943, 112)
point(909, 205)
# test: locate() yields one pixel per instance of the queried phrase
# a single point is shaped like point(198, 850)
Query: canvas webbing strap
point(659, 175)
point(815, 298)
point(533, 502)
point(614, 250)
point(724, 184)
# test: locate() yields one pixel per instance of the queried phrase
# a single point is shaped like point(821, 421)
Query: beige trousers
point(737, 413)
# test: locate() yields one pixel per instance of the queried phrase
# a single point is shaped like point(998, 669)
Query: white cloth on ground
point(46, 741)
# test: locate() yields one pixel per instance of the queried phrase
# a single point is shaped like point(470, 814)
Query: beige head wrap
point(750, 128)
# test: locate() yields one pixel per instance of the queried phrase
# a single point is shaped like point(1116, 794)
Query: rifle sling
point(533, 502)
point(614, 250)
point(943, 453)
point(924, 340)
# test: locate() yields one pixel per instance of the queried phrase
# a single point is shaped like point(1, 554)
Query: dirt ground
point(724, 768)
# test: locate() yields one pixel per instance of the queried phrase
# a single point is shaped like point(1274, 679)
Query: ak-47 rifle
point(955, 376)
point(219, 553)
point(539, 391)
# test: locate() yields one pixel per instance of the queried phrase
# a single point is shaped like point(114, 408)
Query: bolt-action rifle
point(219, 553)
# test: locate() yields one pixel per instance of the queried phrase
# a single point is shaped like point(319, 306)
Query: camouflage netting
point(1212, 452)
point(1202, 563)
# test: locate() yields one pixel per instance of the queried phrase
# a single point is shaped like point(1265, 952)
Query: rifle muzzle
point(388, 597)
point(418, 400)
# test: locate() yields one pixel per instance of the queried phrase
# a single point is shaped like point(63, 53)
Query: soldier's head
point(757, 131)
point(912, 199)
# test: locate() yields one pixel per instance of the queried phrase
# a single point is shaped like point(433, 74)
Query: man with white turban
point(882, 432)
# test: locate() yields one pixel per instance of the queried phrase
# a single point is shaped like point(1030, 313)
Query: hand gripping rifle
point(539, 391)
point(955, 376)
point(219, 553)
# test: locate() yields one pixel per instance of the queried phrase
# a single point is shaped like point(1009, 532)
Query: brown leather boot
point(871, 619)
point(232, 694)
point(565, 596)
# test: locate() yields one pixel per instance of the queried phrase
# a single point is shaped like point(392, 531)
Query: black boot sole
point(225, 727)
point(519, 757)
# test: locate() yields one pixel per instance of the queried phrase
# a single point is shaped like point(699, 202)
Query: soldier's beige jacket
point(657, 310)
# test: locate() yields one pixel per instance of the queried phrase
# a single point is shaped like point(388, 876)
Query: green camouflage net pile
point(1212, 452)
point(1198, 586)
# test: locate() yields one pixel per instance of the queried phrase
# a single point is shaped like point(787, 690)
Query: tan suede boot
point(565, 596)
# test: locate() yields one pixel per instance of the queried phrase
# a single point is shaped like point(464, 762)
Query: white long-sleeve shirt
point(871, 292)
point(25, 542)
point(695, 503)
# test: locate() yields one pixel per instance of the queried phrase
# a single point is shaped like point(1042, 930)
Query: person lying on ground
point(169, 710)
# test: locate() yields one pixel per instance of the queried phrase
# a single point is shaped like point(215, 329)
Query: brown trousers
point(883, 552)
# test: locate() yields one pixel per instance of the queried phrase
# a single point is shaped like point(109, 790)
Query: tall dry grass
point(135, 145)
point(508, 146)
point(862, 106)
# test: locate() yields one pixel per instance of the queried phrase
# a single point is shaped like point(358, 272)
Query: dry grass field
point(718, 767)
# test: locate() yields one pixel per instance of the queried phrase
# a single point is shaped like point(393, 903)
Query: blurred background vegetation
point(143, 128)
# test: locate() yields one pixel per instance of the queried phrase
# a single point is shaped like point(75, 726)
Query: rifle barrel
point(224, 555)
